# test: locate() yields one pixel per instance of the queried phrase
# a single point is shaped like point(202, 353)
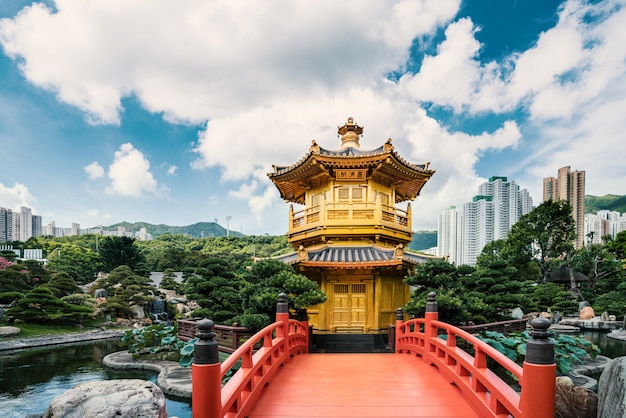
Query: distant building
point(462, 234)
point(6, 225)
point(602, 223)
point(450, 235)
point(569, 186)
point(26, 224)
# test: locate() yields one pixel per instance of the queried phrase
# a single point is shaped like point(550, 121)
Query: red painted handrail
point(258, 367)
point(486, 391)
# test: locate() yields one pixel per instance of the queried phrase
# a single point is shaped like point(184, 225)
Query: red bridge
point(428, 376)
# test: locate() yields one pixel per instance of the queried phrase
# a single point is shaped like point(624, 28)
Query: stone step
point(349, 343)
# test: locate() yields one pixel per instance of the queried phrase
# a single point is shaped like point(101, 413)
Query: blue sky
point(172, 113)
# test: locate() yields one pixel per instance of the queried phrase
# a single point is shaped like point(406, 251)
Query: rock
point(9, 331)
point(546, 315)
point(574, 401)
point(137, 311)
point(604, 316)
point(582, 305)
point(556, 317)
point(100, 293)
point(612, 390)
point(586, 313)
point(612, 318)
point(131, 398)
point(517, 313)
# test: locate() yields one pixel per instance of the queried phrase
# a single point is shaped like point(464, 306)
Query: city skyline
point(177, 115)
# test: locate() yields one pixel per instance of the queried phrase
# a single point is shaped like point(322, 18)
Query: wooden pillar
point(282, 315)
point(539, 376)
point(206, 376)
point(430, 331)
point(397, 332)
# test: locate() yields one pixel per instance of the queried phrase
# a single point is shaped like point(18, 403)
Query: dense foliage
point(518, 272)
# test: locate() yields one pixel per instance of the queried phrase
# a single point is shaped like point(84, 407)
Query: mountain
point(610, 202)
point(422, 240)
point(197, 230)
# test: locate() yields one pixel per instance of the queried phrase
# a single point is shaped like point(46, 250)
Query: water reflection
point(30, 379)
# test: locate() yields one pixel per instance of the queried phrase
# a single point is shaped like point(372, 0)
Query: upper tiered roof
point(384, 165)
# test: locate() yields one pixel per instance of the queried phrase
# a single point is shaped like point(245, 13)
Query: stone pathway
point(173, 379)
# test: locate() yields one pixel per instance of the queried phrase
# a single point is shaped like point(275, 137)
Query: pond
point(30, 379)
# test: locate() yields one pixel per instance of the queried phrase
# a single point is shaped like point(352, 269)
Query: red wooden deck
point(360, 385)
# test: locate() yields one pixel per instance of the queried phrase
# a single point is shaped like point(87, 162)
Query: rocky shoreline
point(25, 343)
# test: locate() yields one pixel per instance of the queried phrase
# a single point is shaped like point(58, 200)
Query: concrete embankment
point(13, 343)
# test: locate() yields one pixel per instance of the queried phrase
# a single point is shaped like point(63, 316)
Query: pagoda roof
point(383, 164)
point(351, 257)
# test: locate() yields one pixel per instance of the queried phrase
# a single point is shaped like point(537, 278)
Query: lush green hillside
point(423, 240)
point(197, 230)
point(607, 202)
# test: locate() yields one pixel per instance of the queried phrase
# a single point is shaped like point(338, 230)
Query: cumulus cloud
point(130, 175)
point(202, 66)
point(264, 84)
point(171, 170)
point(15, 197)
point(94, 171)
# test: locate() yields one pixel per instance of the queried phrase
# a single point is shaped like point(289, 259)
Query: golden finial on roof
point(350, 134)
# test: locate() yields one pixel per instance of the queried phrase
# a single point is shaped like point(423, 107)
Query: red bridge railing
point(260, 356)
point(469, 371)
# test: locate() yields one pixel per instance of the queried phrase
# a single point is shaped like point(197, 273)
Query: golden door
point(349, 307)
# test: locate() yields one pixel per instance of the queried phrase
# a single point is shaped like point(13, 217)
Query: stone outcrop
point(131, 398)
point(9, 331)
point(574, 401)
point(612, 390)
point(173, 379)
point(586, 313)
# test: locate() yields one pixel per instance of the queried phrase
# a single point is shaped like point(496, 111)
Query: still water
point(30, 379)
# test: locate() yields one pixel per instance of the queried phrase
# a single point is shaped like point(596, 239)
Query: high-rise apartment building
point(26, 223)
point(6, 225)
point(478, 227)
point(489, 216)
point(569, 186)
point(450, 235)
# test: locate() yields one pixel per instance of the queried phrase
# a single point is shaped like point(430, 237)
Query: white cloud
point(15, 197)
point(130, 175)
point(94, 171)
point(265, 83)
point(202, 60)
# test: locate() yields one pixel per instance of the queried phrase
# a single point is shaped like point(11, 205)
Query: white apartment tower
point(489, 216)
point(450, 235)
point(478, 227)
point(26, 224)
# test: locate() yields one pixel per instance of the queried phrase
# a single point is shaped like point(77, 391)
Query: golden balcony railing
point(361, 215)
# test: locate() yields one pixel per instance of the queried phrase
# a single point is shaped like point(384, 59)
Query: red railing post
point(539, 375)
point(430, 331)
point(282, 314)
point(399, 322)
point(206, 378)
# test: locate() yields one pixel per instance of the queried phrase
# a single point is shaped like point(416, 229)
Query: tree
point(267, 279)
point(544, 235)
point(62, 284)
point(119, 251)
point(499, 288)
point(168, 281)
point(216, 288)
point(125, 289)
point(37, 306)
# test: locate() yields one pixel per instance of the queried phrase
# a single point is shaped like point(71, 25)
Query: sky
point(173, 112)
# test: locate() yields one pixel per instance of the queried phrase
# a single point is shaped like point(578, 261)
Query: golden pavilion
point(350, 231)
